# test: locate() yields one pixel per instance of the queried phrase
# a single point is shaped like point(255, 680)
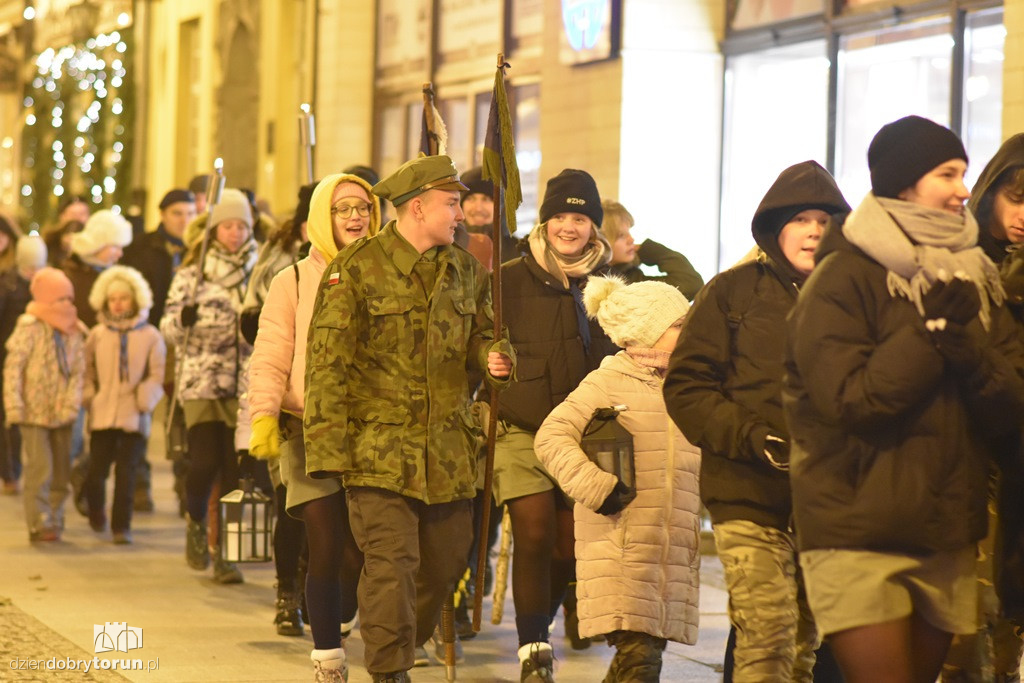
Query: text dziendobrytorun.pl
point(84, 665)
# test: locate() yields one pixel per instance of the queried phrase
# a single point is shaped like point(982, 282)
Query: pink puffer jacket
point(277, 369)
point(637, 570)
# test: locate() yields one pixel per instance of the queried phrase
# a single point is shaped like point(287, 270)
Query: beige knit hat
point(636, 314)
point(233, 204)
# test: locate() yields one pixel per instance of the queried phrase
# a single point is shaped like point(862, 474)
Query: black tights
point(289, 537)
point(543, 560)
point(334, 567)
point(211, 449)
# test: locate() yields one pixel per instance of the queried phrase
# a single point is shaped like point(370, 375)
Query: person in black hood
point(723, 390)
point(997, 202)
point(904, 382)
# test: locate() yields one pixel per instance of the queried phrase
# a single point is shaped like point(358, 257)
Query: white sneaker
point(329, 666)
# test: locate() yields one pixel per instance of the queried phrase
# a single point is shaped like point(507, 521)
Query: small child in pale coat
point(43, 375)
point(637, 561)
point(125, 358)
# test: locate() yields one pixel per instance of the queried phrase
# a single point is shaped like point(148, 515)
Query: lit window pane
point(775, 116)
point(983, 89)
point(883, 76)
point(455, 114)
point(527, 132)
point(392, 138)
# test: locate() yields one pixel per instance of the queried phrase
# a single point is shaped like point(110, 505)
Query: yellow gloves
point(265, 440)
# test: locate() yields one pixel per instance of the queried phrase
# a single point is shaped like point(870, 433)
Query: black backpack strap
point(742, 293)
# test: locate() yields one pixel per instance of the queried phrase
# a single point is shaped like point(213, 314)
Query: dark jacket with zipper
point(543, 320)
point(677, 269)
point(891, 448)
point(150, 255)
point(724, 382)
point(1008, 562)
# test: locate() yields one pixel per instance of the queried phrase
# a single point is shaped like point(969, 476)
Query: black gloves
point(963, 355)
point(620, 496)
point(776, 452)
point(949, 307)
point(249, 323)
point(957, 301)
point(189, 315)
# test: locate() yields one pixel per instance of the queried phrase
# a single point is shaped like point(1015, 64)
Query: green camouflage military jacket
point(387, 397)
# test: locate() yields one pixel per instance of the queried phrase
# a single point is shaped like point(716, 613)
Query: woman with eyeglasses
point(342, 210)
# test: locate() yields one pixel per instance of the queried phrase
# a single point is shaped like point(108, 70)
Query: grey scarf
point(915, 242)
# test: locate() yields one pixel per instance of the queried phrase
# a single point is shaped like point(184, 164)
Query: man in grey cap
point(398, 319)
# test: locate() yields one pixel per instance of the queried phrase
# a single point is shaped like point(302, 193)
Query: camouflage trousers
point(637, 657)
point(994, 652)
point(775, 632)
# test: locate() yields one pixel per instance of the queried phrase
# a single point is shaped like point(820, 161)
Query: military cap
point(417, 176)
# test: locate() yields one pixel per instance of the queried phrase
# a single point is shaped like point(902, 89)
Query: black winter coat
point(543, 325)
point(723, 390)
point(83, 277)
point(148, 254)
point(724, 383)
point(677, 269)
point(891, 449)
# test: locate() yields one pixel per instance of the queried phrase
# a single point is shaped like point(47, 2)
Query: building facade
point(683, 110)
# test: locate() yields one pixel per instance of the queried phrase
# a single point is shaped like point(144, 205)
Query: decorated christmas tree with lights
point(77, 138)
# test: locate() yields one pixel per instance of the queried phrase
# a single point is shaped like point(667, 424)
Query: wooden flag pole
point(492, 418)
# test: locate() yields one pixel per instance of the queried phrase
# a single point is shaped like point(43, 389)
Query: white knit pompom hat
point(121, 276)
point(636, 314)
point(102, 229)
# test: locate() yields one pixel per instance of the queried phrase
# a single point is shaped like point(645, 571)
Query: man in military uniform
point(398, 319)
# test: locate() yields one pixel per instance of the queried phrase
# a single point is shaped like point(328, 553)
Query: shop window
point(413, 129)
point(884, 75)
point(455, 114)
point(526, 100)
point(776, 115)
point(983, 88)
point(392, 139)
point(482, 105)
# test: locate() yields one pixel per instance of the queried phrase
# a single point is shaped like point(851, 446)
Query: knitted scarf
point(60, 315)
point(914, 242)
point(122, 324)
point(230, 271)
point(597, 253)
point(650, 358)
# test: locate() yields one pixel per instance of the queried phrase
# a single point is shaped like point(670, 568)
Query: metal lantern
point(246, 524)
point(609, 445)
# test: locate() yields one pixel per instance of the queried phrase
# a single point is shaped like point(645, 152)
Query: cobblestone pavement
point(53, 596)
point(32, 651)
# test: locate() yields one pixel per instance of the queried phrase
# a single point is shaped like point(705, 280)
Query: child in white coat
point(125, 357)
point(637, 559)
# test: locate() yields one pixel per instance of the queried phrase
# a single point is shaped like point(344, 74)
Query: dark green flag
point(500, 165)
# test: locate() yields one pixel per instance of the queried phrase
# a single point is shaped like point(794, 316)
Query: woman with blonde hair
point(627, 255)
point(556, 345)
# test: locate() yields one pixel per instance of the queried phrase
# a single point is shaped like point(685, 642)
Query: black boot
point(288, 620)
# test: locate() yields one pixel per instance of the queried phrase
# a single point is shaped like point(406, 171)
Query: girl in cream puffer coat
point(638, 561)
